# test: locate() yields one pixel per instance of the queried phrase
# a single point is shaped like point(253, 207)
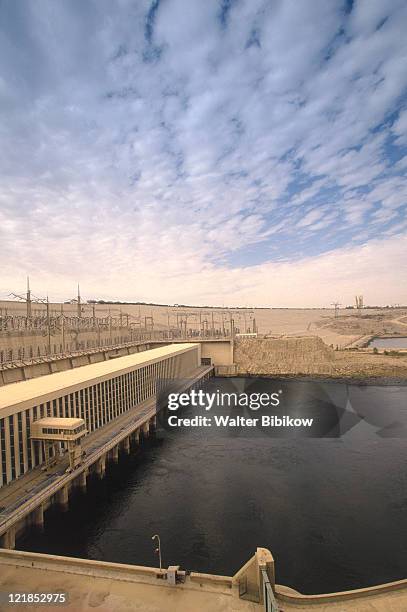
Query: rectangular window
point(77, 405)
point(110, 398)
point(120, 402)
point(128, 382)
point(3, 451)
point(92, 424)
point(81, 411)
point(99, 406)
point(20, 441)
point(132, 398)
point(114, 396)
point(86, 400)
point(28, 433)
point(13, 459)
point(102, 403)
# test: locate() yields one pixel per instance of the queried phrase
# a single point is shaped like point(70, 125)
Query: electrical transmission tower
point(359, 303)
point(29, 299)
point(336, 305)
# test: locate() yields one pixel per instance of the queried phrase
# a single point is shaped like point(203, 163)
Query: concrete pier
point(81, 482)
point(8, 539)
point(126, 445)
point(100, 467)
point(62, 498)
point(115, 454)
point(135, 442)
point(37, 517)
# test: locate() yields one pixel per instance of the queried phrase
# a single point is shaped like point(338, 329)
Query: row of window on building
point(97, 404)
point(54, 431)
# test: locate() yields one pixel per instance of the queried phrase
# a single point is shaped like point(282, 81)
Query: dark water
point(331, 503)
point(388, 343)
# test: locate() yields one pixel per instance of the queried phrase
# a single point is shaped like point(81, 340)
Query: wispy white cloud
point(152, 146)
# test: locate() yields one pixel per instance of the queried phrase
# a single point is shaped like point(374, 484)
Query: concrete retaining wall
point(49, 365)
point(297, 355)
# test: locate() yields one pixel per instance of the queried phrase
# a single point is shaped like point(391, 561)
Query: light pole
point(158, 550)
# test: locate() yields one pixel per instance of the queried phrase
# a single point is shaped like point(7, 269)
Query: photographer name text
point(238, 421)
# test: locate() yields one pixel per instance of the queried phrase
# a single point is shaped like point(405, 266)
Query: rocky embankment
point(310, 356)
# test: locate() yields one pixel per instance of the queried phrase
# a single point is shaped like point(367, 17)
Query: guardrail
point(139, 339)
point(269, 600)
point(49, 357)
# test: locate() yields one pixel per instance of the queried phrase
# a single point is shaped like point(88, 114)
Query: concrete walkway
point(88, 591)
point(391, 601)
point(138, 590)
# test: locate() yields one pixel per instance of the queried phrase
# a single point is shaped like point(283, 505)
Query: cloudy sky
point(219, 152)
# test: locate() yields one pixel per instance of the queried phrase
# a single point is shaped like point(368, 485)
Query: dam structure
point(63, 419)
point(57, 429)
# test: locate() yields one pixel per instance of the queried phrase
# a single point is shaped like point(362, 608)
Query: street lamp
point(158, 550)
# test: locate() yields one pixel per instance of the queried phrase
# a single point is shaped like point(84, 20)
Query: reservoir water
point(330, 501)
point(388, 343)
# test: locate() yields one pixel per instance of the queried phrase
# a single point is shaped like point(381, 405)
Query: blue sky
point(203, 152)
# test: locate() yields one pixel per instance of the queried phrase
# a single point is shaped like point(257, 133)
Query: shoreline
point(380, 381)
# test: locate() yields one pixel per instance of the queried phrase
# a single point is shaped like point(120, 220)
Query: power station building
point(96, 393)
